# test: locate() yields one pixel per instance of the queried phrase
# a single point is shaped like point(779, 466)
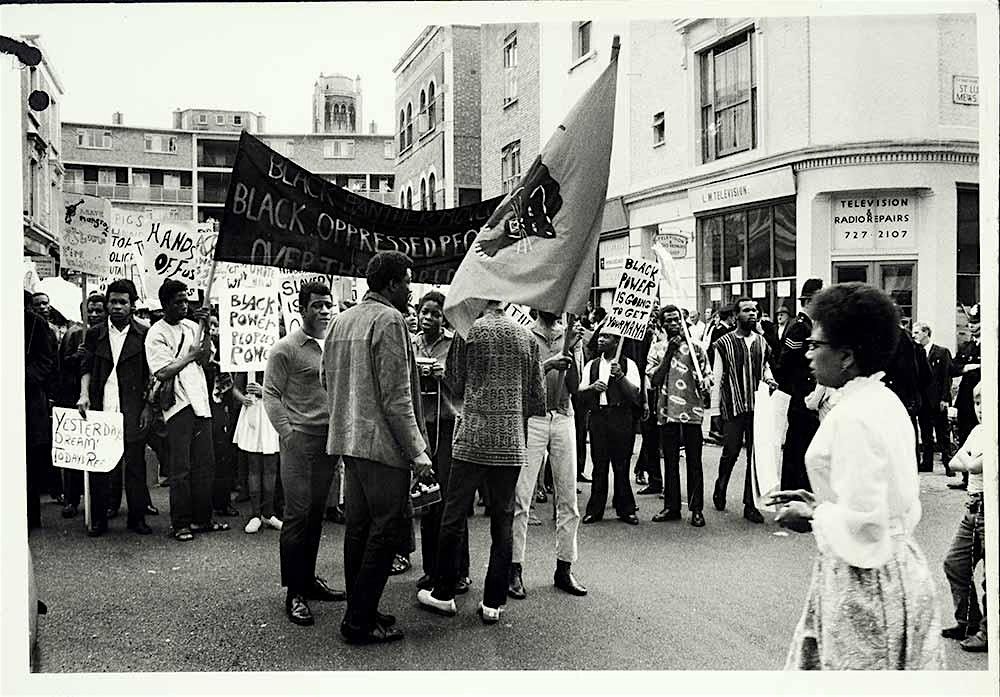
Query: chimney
point(116, 118)
point(372, 129)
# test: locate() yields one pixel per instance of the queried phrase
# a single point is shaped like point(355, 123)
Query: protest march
point(559, 408)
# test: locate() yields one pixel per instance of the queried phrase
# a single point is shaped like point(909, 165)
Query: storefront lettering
point(725, 194)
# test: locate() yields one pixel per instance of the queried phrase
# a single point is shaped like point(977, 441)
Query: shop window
point(728, 98)
point(759, 243)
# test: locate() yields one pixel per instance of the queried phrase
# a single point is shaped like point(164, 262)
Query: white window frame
point(220, 119)
point(160, 143)
point(707, 102)
point(172, 178)
point(388, 149)
point(136, 183)
point(203, 119)
point(83, 135)
point(107, 177)
point(510, 69)
point(237, 119)
point(510, 176)
point(338, 149)
point(580, 30)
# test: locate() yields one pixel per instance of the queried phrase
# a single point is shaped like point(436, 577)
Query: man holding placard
point(114, 374)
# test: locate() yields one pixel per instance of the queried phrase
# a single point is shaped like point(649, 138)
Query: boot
point(515, 588)
point(565, 581)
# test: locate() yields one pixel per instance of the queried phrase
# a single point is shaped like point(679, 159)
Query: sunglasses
point(812, 344)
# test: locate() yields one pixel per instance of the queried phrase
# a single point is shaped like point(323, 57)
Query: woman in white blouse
point(872, 604)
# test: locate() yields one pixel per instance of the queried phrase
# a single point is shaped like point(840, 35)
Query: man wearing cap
point(967, 366)
point(796, 380)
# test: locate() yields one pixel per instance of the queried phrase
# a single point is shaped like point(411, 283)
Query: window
point(432, 191)
point(402, 199)
point(409, 125)
point(402, 130)
point(172, 181)
point(93, 139)
point(423, 194)
point(510, 166)
point(659, 129)
point(969, 289)
point(387, 150)
point(510, 68)
point(357, 184)
point(581, 39)
point(237, 120)
point(220, 119)
point(161, 143)
point(140, 180)
point(431, 107)
point(203, 119)
point(760, 243)
point(423, 105)
point(728, 98)
point(409, 197)
point(338, 149)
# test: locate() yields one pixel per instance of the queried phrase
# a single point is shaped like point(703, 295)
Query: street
point(663, 596)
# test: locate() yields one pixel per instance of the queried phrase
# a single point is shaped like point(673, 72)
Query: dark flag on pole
point(280, 214)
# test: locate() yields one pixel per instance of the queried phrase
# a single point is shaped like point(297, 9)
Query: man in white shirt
point(612, 390)
point(175, 353)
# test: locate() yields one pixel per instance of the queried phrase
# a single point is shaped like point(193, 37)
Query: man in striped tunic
point(740, 363)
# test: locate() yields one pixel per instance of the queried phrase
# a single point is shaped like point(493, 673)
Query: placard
point(736, 289)
point(288, 295)
point(517, 313)
point(178, 249)
point(94, 444)
point(784, 289)
point(86, 234)
point(248, 328)
point(31, 278)
point(633, 300)
point(715, 294)
point(125, 260)
point(758, 290)
point(735, 274)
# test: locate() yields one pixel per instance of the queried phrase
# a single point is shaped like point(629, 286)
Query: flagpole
point(687, 335)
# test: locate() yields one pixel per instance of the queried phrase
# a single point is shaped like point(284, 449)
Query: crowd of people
point(359, 407)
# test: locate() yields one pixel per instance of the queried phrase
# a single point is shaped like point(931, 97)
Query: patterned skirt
point(870, 619)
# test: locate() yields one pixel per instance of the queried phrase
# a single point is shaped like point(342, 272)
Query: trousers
point(377, 509)
point(802, 425)
point(500, 482)
point(306, 471)
point(430, 522)
point(735, 432)
point(102, 486)
point(612, 438)
point(967, 550)
point(672, 436)
point(554, 434)
point(191, 468)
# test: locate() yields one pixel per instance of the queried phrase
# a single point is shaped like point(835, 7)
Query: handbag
point(161, 395)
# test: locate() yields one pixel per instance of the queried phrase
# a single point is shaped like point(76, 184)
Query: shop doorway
point(897, 278)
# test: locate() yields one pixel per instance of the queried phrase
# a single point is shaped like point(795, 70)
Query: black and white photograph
point(529, 347)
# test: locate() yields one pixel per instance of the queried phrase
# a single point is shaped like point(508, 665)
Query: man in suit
point(906, 375)
point(967, 366)
point(933, 416)
point(795, 379)
point(40, 355)
point(114, 374)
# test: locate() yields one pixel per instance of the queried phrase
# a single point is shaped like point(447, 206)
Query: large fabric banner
point(538, 247)
point(279, 214)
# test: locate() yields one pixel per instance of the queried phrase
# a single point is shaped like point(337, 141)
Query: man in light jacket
point(376, 425)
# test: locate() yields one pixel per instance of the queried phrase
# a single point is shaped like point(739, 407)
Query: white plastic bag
point(767, 420)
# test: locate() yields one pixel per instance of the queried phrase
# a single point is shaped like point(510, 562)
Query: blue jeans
point(966, 551)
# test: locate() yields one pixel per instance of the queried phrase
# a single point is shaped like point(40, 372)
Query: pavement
point(663, 596)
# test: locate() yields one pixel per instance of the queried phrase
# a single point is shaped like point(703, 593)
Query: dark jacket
point(792, 370)
point(66, 386)
point(40, 356)
point(132, 370)
point(968, 353)
point(617, 394)
point(939, 387)
point(908, 372)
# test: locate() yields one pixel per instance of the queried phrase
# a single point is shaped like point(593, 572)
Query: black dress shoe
point(649, 490)
point(515, 586)
point(565, 581)
point(591, 518)
point(631, 519)
point(959, 631)
point(752, 514)
point(384, 620)
point(227, 512)
point(141, 528)
point(462, 585)
point(379, 634)
point(697, 519)
point(298, 611)
point(665, 515)
point(69, 511)
point(719, 498)
point(152, 510)
point(321, 591)
point(583, 479)
point(425, 583)
point(98, 529)
point(958, 485)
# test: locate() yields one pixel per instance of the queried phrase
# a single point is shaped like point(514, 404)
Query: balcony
point(125, 192)
point(389, 198)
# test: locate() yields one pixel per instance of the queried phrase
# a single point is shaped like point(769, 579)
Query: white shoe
point(253, 525)
point(273, 522)
point(489, 615)
point(441, 607)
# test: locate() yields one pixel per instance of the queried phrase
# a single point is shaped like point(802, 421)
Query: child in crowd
point(255, 435)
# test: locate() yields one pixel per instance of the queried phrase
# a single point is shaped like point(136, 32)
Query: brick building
point(218, 120)
point(762, 156)
point(438, 110)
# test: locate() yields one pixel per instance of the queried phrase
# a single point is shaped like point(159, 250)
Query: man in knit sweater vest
point(741, 359)
point(498, 372)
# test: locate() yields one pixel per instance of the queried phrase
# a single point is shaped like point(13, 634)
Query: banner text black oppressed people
point(279, 214)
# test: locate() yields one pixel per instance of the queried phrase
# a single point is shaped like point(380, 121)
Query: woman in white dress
point(255, 436)
point(872, 604)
